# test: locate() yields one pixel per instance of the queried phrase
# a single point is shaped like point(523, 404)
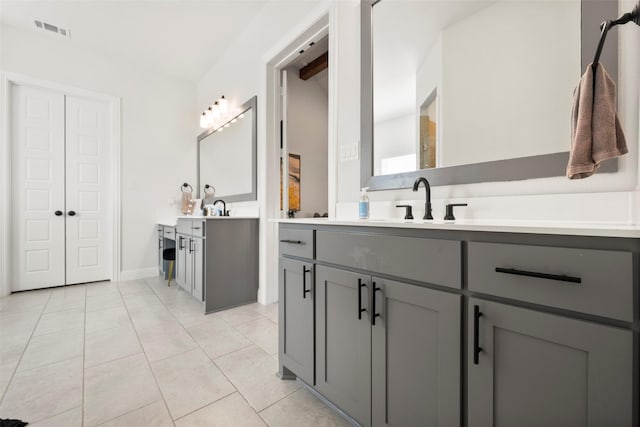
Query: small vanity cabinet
point(381, 320)
point(217, 260)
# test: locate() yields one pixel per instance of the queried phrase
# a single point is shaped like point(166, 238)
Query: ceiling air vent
point(50, 28)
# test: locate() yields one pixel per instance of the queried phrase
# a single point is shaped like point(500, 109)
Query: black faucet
point(427, 205)
point(225, 212)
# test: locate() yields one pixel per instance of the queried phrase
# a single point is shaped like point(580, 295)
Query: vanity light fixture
point(218, 111)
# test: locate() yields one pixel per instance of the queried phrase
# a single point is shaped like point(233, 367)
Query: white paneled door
point(60, 189)
point(87, 191)
point(38, 188)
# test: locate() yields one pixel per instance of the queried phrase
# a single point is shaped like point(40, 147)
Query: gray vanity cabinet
point(343, 341)
point(415, 356)
point(297, 314)
point(540, 369)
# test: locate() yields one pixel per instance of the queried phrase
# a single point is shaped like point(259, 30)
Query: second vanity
point(217, 260)
point(450, 325)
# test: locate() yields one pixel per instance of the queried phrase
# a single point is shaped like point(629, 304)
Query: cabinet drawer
point(586, 280)
point(296, 242)
point(184, 226)
point(197, 227)
point(426, 260)
point(169, 233)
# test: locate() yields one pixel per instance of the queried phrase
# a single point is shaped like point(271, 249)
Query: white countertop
point(172, 223)
point(218, 217)
point(504, 226)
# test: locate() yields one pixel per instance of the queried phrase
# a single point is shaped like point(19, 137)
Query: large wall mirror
point(227, 156)
point(473, 91)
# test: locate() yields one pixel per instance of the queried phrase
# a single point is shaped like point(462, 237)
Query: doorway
point(304, 131)
point(62, 197)
point(276, 146)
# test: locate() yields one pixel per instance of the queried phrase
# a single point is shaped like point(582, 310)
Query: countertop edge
point(595, 230)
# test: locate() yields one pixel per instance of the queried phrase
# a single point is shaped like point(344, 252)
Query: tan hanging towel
point(596, 134)
point(187, 194)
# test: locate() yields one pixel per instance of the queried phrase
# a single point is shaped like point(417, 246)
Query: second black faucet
point(225, 212)
point(427, 204)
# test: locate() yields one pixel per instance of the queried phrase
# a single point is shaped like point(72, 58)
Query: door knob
point(58, 213)
point(71, 213)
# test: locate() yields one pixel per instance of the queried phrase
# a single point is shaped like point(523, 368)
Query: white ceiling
point(178, 38)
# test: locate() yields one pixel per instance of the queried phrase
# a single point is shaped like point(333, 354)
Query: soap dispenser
point(363, 205)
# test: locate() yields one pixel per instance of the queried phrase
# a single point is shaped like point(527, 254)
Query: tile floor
point(141, 354)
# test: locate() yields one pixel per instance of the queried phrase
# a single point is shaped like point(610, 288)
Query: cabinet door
point(539, 369)
point(198, 268)
point(343, 341)
point(160, 259)
point(181, 259)
point(297, 318)
point(188, 265)
point(415, 356)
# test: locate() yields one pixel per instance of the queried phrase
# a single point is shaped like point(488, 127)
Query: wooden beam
point(315, 66)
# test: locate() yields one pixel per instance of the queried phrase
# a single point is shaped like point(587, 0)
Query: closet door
point(89, 242)
point(37, 146)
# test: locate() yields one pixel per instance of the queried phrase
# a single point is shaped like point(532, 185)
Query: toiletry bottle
point(363, 205)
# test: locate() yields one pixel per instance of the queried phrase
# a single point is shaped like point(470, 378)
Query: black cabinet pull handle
point(477, 314)
point(180, 242)
point(190, 246)
point(305, 270)
point(373, 309)
point(295, 242)
point(360, 309)
point(560, 277)
point(58, 213)
point(159, 243)
point(71, 213)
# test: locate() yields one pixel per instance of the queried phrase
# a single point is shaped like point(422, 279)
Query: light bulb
point(241, 116)
point(216, 110)
point(234, 120)
point(203, 121)
point(227, 125)
point(209, 115)
point(224, 105)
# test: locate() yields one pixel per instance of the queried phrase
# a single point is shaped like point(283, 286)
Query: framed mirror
point(468, 91)
point(227, 156)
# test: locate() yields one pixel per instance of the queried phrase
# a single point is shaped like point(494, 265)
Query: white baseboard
point(138, 274)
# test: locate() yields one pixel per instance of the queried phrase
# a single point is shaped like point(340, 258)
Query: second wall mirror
point(227, 156)
point(472, 91)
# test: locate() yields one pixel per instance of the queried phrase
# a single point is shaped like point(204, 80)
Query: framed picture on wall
point(294, 182)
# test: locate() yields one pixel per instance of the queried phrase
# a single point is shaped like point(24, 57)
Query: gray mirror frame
point(541, 166)
point(253, 194)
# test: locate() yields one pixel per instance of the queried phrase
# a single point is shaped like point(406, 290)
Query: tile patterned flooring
point(141, 354)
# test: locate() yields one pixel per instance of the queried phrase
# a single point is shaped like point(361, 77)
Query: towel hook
point(186, 186)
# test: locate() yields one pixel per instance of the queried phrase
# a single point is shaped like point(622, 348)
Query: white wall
point(395, 137)
point(159, 123)
point(611, 198)
point(307, 135)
